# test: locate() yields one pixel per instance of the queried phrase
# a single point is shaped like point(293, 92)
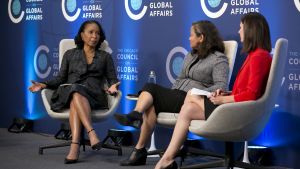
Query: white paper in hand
point(196, 91)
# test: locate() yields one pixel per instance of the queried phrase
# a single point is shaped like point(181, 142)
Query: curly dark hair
point(78, 40)
point(256, 32)
point(212, 40)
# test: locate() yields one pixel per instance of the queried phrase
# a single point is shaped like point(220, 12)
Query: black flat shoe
point(133, 119)
point(71, 161)
point(96, 146)
point(173, 165)
point(137, 157)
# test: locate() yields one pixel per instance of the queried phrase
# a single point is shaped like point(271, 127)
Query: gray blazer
point(208, 74)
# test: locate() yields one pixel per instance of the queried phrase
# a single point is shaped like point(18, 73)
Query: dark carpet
point(21, 151)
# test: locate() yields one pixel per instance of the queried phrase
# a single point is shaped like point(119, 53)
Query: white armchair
point(242, 121)
point(167, 119)
point(96, 115)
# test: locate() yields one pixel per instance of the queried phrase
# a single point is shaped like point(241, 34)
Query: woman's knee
point(188, 108)
point(193, 99)
point(77, 96)
point(189, 97)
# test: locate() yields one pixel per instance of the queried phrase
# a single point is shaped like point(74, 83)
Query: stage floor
point(20, 151)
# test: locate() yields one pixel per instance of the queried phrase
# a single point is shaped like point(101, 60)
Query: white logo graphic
point(175, 50)
point(16, 11)
point(72, 5)
point(135, 5)
point(41, 60)
point(213, 3)
point(297, 3)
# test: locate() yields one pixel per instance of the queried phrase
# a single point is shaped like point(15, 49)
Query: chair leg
point(41, 148)
point(156, 152)
point(114, 140)
point(241, 164)
point(204, 152)
point(229, 152)
point(211, 164)
point(64, 132)
point(228, 161)
point(224, 161)
point(83, 143)
point(115, 146)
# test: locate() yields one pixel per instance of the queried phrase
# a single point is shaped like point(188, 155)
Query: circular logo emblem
point(42, 62)
point(135, 4)
point(16, 7)
point(71, 7)
point(177, 65)
point(41, 67)
point(174, 62)
point(213, 4)
point(14, 10)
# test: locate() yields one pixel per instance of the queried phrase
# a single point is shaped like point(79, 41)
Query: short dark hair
point(212, 40)
point(78, 40)
point(256, 32)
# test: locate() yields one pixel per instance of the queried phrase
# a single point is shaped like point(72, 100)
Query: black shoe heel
point(96, 146)
point(173, 165)
point(133, 119)
point(71, 161)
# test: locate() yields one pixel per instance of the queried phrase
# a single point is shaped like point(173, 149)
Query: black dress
point(76, 75)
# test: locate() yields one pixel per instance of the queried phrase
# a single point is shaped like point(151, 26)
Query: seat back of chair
point(273, 86)
point(66, 44)
point(231, 47)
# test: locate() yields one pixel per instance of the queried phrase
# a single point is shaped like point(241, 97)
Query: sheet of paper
point(196, 91)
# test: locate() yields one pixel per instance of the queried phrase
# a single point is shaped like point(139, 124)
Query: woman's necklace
point(90, 57)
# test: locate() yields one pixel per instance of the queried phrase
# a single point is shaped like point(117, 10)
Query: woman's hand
point(36, 86)
point(218, 100)
point(220, 92)
point(113, 89)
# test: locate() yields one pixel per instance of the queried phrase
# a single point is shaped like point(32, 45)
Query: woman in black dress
point(80, 84)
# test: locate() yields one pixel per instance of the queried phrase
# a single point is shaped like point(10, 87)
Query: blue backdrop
point(144, 35)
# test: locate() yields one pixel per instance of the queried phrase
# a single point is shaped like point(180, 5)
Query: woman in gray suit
point(80, 84)
point(205, 67)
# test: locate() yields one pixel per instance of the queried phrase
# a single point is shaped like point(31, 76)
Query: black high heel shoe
point(133, 119)
point(173, 165)
point(137, 157)
point(72, 161)
point(96, 146)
